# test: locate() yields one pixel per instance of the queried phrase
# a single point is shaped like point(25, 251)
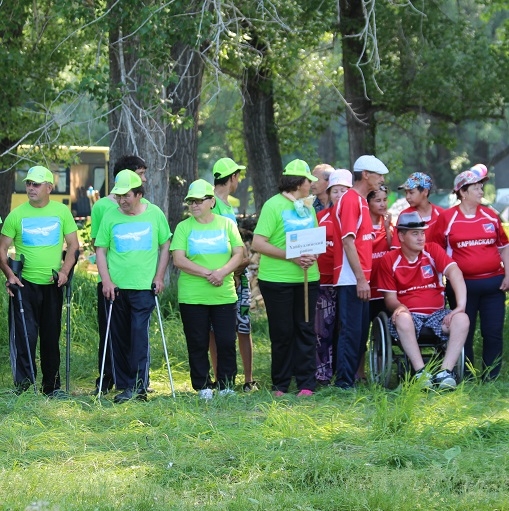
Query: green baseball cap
point(126, 180)
point(39, 174)
point(199, 189)
point(299, 168)
point(225, 167)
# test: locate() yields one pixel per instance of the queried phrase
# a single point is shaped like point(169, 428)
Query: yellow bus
point(77, 184)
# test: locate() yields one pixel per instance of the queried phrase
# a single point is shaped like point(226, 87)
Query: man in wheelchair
point(411, 280)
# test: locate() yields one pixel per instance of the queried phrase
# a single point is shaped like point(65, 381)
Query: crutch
point(68, 294)
point(164, 341)
point(106, 337)
point(17, 267)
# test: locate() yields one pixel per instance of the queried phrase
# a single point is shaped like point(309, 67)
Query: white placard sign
point(305, 241)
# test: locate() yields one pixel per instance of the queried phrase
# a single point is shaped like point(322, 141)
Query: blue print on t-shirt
point(207, 242)
point(132, 236)
point(40, 231)
point(293, 222)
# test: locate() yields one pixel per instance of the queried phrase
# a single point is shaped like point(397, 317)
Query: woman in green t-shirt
point(281, 280)
point(207, 248)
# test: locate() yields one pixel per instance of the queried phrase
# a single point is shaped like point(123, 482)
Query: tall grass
point(365, 450)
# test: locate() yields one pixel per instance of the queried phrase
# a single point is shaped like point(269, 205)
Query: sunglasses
point(198, 202)
point(33, 183)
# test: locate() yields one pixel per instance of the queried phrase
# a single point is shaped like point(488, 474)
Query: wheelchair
point(384, 352)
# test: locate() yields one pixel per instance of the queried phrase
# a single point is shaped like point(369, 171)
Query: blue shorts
point(432, 321)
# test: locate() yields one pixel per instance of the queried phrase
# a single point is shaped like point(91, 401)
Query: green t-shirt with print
point(133, 245)
point(277, 217)
point(209, 245)
point(38, 234)
point(98, 211)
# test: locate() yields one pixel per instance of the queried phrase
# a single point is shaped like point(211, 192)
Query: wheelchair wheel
point(380, 351)
point(460, 367)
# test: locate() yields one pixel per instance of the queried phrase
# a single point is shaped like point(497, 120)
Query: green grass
point(364, 450)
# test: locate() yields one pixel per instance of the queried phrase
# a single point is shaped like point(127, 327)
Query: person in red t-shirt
point(474, 237)
point(352, 266)
point(417, 189)
point(383, 234)
point(340, 180)
point(410, 279)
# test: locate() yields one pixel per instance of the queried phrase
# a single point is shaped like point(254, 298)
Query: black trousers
point(196, 320)
point(292, 339)
point(130, 321)
point(42, 306)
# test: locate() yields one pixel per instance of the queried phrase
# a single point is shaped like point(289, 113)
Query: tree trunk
point(133, 130)
point(260, 135)
point(360, 119)
point(182, 139)
point(327, 146)
point(6, 179)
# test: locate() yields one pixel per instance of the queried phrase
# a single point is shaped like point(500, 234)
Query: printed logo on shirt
point(293, 222)
point(207, 242)
point(368, 237)
point(427, 271)
point(40, 231)
point(132, 236)
point(489, 228)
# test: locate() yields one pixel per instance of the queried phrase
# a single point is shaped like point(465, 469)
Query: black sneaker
point(249, 386)
point(56, 394)
point(445, 380)
point(21, 387)
point(106, 386)
point(128, 394)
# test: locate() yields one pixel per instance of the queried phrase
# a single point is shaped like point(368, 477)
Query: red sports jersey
point(417, 284)
point(436, 211)
point(380, 248)
point(473, 243)
point(326, 260)
point(351, 217)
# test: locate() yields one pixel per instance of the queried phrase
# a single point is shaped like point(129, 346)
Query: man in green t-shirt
point(132, 255)
point(37, 229)
point(138, 165)
point(226, 181)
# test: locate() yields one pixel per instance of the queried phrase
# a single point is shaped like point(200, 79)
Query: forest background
point(423, 85)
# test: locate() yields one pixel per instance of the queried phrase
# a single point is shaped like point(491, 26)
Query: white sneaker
point(445, 380)
point(424, 378)
point(206, 394)
point(226, 392)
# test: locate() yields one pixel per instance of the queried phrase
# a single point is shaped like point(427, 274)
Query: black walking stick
point(17, 268)
point(68, 295)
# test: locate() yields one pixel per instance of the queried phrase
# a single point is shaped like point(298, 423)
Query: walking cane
point(17, 267)
point(68, 294)
point(164, 342)
point(108, 323)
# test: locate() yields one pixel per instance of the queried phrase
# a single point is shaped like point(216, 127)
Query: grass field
point(365, 450)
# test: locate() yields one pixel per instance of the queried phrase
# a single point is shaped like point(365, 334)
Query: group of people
point(132, 240)
point(319, 306)
point(466, 244)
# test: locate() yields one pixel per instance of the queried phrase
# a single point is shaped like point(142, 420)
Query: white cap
point(341, 177)
point(371, 164)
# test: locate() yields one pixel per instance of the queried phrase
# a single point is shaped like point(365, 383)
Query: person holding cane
point(282, 281)
point(132, 255)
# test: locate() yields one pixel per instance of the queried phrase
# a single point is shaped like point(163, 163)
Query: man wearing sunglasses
point(37, 229)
